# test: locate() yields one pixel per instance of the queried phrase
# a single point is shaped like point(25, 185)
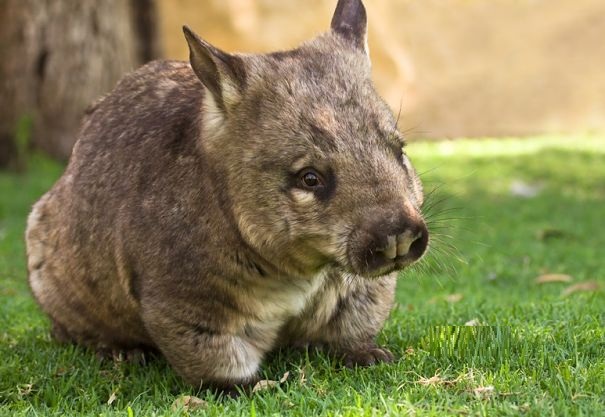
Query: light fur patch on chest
point(286, 300)
point(277, 304)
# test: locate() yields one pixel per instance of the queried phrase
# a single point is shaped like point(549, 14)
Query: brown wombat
point(218, 209)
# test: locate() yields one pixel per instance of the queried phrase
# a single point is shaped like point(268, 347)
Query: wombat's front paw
point(366, 356)
point(134, 356)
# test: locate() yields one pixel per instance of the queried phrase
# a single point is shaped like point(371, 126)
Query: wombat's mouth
point(397, 264)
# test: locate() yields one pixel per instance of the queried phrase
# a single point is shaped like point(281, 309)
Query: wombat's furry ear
point(351, 22)
point(223, 74)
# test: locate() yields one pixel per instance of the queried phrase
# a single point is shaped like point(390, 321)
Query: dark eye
point(310, 180)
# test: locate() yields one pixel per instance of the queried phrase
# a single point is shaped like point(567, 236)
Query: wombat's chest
point(277, 304)
point(289, 300)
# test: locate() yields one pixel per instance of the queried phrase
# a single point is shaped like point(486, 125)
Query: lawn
point(506, 216)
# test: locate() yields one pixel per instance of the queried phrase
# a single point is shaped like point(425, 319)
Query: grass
point(539, 352)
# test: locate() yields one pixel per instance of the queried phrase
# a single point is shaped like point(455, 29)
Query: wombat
point(219, 209)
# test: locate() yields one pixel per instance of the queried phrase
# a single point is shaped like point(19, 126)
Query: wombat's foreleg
point(350, 335)
point(201, 356)
point(351, 316)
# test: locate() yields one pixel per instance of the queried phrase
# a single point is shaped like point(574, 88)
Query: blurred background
point(456, 68)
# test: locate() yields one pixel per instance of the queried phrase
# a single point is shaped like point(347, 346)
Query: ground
point(506, 216)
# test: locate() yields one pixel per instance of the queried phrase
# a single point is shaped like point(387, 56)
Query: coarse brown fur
point(217, 210)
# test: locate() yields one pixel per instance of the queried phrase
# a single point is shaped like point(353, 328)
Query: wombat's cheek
point(260, 224)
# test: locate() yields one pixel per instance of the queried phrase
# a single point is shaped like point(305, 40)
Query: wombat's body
point(214, 222)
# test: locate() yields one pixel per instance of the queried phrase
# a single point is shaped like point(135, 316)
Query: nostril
point(412, 243)
point(419, 245)
point(405, 241)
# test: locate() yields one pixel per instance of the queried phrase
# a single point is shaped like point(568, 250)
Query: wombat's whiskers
point(440, 222)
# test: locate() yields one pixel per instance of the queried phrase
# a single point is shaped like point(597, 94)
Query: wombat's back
point(133, 141)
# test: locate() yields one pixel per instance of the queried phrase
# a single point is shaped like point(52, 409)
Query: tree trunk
point(56, 57)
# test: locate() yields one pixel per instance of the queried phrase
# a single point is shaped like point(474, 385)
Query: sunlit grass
point(535, 350)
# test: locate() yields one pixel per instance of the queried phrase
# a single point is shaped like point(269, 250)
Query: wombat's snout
point(389, 245)
point(409, 245)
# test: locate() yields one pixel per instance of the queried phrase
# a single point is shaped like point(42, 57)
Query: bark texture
point(56, 57)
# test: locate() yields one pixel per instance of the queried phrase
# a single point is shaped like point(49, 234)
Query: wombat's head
point(309, 156)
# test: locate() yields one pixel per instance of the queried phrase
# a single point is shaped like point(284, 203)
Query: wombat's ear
point(223, 74)
point(351, 22)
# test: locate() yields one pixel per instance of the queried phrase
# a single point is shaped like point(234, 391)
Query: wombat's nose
point(407, 243)
point(388, 243)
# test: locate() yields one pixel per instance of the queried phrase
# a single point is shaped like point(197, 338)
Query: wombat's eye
point(310, 179)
